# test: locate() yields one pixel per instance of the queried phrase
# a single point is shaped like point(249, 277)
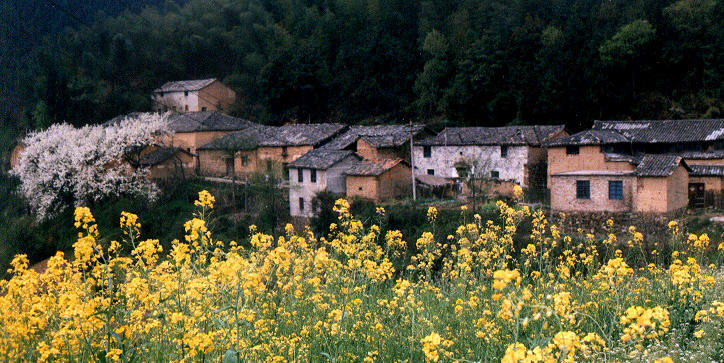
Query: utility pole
point(412, 167)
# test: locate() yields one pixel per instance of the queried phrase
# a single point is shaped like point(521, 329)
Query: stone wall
point(563, 194)
point(306, 190)
point(443, 159)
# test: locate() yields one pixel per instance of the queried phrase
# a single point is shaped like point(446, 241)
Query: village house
point(261, 148)
point(168, 162)
point(379, 142)
point(614, 158)
point(314, 172)
point(193, 96)
point(379, 180)
point(510, 153)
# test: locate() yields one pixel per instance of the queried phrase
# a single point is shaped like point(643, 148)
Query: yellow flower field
point(359, 295)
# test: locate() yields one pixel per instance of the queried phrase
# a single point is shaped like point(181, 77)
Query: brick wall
point(588, 158)
point(678, 189)
point(181, 164)
point(215, 94)
point(563, 194)
point(395, 182)
point(15, 155)
point(362, 187)
point(651, 195)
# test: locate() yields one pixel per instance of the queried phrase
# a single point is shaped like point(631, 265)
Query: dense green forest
point(484, 62)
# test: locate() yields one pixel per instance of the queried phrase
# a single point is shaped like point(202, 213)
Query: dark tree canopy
point(486, 62)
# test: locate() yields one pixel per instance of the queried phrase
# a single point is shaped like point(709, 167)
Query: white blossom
point(63, 165)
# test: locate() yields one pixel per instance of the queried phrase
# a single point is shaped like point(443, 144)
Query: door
point(697, 195)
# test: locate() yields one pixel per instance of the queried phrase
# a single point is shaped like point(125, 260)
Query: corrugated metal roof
point(320, 159)
point(706, 170)
point(507, 135)
point(372, 167)
point(187, 85)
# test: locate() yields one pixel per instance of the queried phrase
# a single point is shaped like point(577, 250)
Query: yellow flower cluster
point(640, 323)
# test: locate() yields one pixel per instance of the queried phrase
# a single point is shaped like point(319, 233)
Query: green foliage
point(478, 63)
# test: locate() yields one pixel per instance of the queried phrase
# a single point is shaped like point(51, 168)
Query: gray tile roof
point(320, 159)
point(378, 136)
point(590, 137)
point(188, 85)
point(276, 136)
point(303, 134)
point(706, 170)
point(160, 155)
point(507, 135)
point(658, 165)
point(206, 121)
point(666, 131)
point(372, 167)
point(702, 155)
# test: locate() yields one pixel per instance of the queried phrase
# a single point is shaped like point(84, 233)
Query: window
point(495, 174)
point(503, 151)
point(426, 151)
point(301, 203)
point(203, 108)
point(615, 189)
point(313, 175)
point(186, 108)
point(285, 152)
point(300, 175)
point(583, 189)
point(430, 171)
point(229, 166)
point(360, 188)
point(572, 150)
point(244, 160)
point(186, 93)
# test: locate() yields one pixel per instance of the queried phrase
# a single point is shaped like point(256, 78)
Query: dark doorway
point(697, 195)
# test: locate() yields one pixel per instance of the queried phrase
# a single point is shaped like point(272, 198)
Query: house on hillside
point(260, 148)
point(618, 147)
point(379, 142)
point(193, 96)
point(379, 180)
point(510, 153)
point(168, 162)
point(314, 172)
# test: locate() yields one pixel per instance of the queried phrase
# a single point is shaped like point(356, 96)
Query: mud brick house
point(511, 153)
point(314, 172)
point(621, 153)
point(193, 96)
point(379, 142)
point(195, 129)
point(261, 148)
point(168, 162)
point(378, 180)
point(15, 154)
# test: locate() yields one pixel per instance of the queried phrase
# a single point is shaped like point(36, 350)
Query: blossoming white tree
point(63, 165)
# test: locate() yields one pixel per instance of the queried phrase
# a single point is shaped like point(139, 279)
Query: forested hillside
point(485, 62)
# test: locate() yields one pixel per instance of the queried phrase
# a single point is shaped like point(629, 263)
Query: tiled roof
point(303, 134)
point(706, 170)
point(658, 165)
point(378, 136)
point(589, 137)
point(160, 155)
point(666, 131)
point(206, 121)
point(320, 159)
point(246, 139)
point(702, 155)
point(188, 85)
point(372, 167)
point(507, 135)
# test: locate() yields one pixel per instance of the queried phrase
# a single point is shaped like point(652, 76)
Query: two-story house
point(314, 172)
point(193, 96)
point(512, 153)
point(639, 166)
